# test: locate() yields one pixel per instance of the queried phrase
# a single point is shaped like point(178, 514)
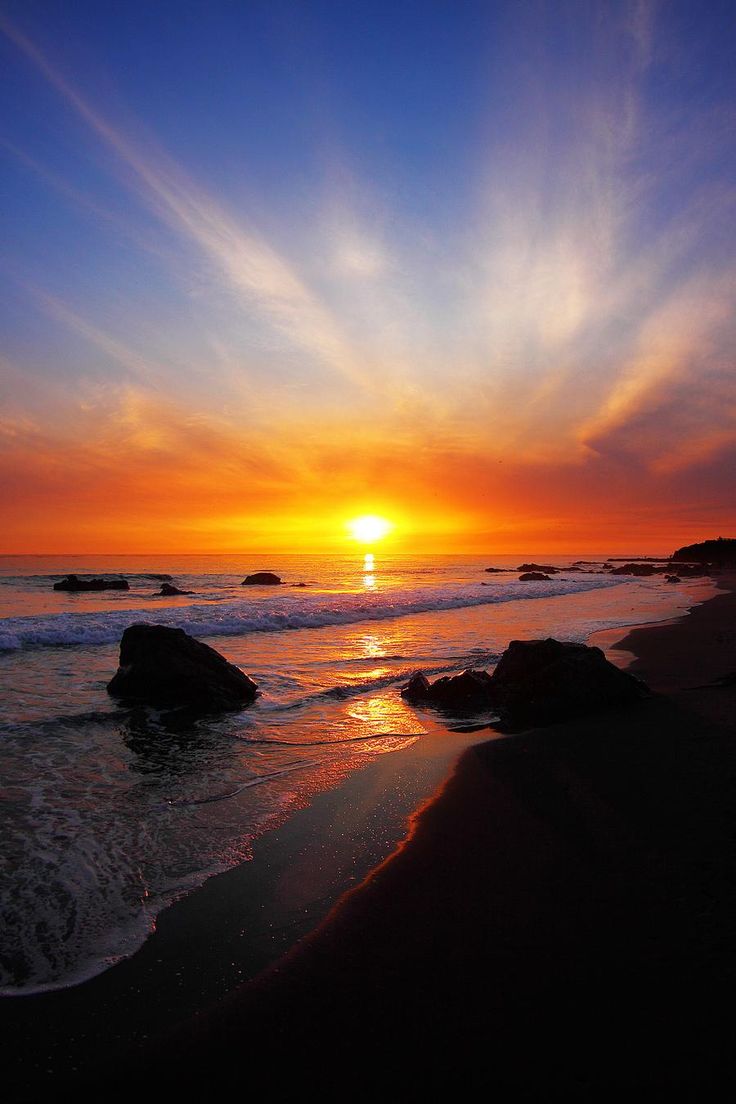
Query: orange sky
point(506, 329)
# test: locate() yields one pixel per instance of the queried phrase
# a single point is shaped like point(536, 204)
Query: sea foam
point(276, 613)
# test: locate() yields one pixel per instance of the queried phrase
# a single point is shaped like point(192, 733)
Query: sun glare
point(369, 528)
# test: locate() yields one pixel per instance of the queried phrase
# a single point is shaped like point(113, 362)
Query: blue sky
point(394, 243)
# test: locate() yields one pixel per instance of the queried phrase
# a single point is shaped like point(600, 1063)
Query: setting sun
point(369, 528)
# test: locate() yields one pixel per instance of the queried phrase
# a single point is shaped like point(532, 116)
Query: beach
point(553, 886)
point(559, 917)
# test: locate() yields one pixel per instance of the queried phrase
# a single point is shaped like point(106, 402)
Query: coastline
point(307, 864)
point(560, 915)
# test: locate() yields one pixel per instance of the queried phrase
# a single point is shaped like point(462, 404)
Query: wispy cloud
point(250, 266)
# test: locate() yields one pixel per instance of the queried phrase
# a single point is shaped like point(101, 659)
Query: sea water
point(109, 815)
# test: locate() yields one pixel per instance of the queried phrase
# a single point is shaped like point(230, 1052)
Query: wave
point(275, 614)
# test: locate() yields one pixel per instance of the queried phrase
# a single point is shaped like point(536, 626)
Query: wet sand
point(560, 918)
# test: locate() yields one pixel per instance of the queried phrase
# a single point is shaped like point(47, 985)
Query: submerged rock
point(167, 668)
point(261, 578)
point(74, 584)
point(533, 577)
point(542, 681)
point(168, 590)
point(471, 688)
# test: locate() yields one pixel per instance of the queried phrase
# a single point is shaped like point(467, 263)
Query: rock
point(167, 668)
point(690, 571)
point(538, 567)
point(74, 584)
point(469, 689)
point(160, 577)
point(542, 681)
point(639, 569)
point(417, 688)
point(672, 579)
point(261, 578)
point(496, 570)
point(169, 591)
point(533, 577)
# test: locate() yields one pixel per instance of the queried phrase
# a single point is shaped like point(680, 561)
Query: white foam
point(277, 613)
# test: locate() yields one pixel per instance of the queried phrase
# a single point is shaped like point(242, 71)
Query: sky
point(269, 266)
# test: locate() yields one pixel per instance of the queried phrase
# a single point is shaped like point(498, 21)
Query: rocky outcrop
point(721, 552)
point(74, 585)
point(261, 578)
point(542, 681)
point(538, 567)
point(168, 590)
point(469, 689)
point(169, 669)
point(497, 570)
point(533, 577)
point(672, 579)
point(535, 682)
point(639, 569)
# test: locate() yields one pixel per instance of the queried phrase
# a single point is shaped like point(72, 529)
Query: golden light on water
point(369, 528)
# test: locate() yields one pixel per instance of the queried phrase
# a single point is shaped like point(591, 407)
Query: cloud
point(251, 268)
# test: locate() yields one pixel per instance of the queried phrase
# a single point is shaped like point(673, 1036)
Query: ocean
point(110, 816)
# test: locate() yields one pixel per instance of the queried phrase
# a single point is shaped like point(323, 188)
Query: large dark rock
point(721, 552)
point(73, 584)
point(169, 669)
point(538, 567)
point(168, 590)
point(535, 682)
point(469, 689)
point(542, 681)
point(533, 577)
point(261, 578)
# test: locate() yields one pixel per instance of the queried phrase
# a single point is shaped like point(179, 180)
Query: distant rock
point(672, 579)
point(169, 669)
point(74, 585)
point(691, 571)
point(469, 689)
point(159, 577)
point(169, 591)
point(639, 569)
point(721, 552)
point(497, 570)
point(542, 681)
point(538, 567)
point(533, 577)
point(261, 578)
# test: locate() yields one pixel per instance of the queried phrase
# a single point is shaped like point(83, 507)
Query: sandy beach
point(560, 916)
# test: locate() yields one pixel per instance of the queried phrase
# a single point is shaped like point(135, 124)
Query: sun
point(369, 528)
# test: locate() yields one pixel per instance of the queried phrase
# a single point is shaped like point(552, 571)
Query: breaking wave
point(276, 613)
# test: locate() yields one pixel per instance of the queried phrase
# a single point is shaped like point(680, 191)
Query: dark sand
point(560, 919)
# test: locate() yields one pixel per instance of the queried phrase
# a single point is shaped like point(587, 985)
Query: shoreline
point(560, 915)
point(308, 862)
